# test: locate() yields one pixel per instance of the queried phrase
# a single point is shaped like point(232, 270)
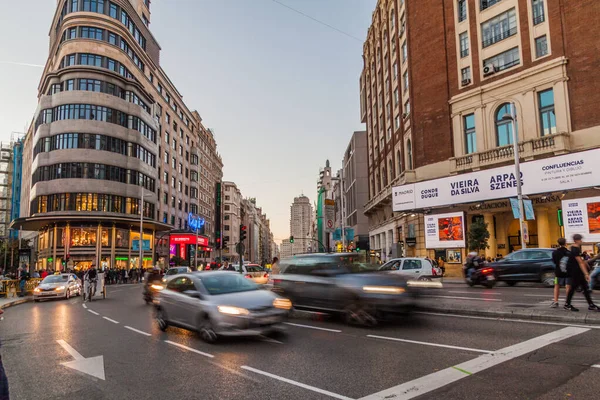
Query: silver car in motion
point(220, 303)
point(60, 285)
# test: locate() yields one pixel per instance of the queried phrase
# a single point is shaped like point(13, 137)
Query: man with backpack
point(577, 270)
point(561, 278)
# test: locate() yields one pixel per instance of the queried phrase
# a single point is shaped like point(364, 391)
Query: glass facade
point(90, 202)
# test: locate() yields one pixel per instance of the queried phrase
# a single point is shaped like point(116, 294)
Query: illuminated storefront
point(184, 244)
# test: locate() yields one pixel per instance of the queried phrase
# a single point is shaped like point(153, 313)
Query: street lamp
point(512, 117)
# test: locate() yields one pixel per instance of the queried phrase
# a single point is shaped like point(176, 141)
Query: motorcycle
point(150, 292)
point(483, 276)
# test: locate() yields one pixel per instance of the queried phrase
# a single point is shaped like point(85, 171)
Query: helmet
point(472, 254)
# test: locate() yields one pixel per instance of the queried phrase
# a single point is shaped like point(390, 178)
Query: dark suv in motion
point(526, 265)
point(343, 283)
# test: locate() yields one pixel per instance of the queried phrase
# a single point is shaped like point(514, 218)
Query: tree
point(478, 236)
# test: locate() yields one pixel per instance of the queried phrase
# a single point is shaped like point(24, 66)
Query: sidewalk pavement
point(535, 312)
point(13, 301)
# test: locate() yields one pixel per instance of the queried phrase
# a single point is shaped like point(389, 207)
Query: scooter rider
point(472, 264)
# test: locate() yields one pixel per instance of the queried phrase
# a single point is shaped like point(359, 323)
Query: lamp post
point(512, 117)
point(141, 228)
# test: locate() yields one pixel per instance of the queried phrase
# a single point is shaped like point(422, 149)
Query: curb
point(528, 315)
point(16, 302)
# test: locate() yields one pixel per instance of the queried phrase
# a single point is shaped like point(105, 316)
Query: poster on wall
point(582, 216)
point(445, 231)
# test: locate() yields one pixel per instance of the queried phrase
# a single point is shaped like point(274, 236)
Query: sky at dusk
point(280, 90)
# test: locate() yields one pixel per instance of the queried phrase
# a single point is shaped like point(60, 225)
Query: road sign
point(329, 214)
point(240, 248)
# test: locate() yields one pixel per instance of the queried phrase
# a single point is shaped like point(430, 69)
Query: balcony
point(549, 145)
point(385, 196)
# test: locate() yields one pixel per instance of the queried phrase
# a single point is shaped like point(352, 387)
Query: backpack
point(564, 261)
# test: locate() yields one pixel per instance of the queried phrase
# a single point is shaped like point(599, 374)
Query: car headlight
point(164, 279)
point(60, 288)
point(284, 304)
point(230, 310)
point(156, 287)
point(383, 289)
point(37, 290)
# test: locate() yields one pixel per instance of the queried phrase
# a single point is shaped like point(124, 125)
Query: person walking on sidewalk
point(578, 272)
point(561, 278)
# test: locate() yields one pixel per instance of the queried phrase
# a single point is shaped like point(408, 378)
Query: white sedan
point(254, 272)
point(413, 268)
point(61, 285)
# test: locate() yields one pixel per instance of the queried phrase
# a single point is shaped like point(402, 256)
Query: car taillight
point(266, 275)
point(276, 281)
point(433, 271)
point(487, 270)
point(247, 276)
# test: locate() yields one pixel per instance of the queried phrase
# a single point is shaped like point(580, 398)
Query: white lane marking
point(471, 292)
point(462, 298)
point(291, 382)
point(596, 366)
point(181, 346)
point(498, 319)
point(270, 340)
point(430, 344)
point(447, 376)
point(93, 312)
point(84, 306)
point(115, 291)
point(70, 350)
point(111, 320)
point(313, 327)
point(137, 330)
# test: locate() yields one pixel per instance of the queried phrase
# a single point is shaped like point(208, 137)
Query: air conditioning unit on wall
point(489, 69)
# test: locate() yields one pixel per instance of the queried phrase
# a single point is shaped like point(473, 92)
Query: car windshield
point(227, 283)
point(343, 263)
point(55, 279)
point(175, 271)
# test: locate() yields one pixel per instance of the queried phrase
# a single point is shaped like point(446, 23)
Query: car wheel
point(511, 283)
point(470, 282)
point(548, 279)
point(206, 330)
point(357, 314)
point(424, 278)
point(489, 284)
point(161, 319)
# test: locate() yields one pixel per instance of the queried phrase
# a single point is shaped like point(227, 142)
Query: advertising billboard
point(445, 231)
point(582, 216)
point(569, 171)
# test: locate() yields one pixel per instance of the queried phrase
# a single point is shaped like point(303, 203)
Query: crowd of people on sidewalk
point(572, 270)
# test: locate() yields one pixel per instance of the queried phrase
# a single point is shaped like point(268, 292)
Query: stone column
point(129, 250)
point(153, 250)
point(488, 218)
point(501, 237)
point(54, 243)
point(543, 227)
point(98, 246)
point(112, 246)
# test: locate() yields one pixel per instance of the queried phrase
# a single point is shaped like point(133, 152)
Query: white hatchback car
point(413, 268)
point(254, 272)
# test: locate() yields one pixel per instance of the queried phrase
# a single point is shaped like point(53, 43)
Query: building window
point(541, 46)
point(464, 44)
point(409, 155)
point(504, 134)
point(505, 60)
point(392, 19)
point(499, 28)
point(397, 122)
point(404, 53)
point(462, 10)
point(395, 69)
point(470, 141)
point(405, 80)
point(407, 108)
point(537, 6)
point(399, 161)
point(547, 116)
point(487, 3)
point(465, 75)
point(396, 96)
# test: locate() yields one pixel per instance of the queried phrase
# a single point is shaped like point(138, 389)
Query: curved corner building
point(111, 133)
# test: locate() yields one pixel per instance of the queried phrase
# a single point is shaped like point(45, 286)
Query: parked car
point(254, 272)
point(62, 285)
point(220, 303)
point(342, 283)
point(422, 269)
point(526, 265)
point(171, 272)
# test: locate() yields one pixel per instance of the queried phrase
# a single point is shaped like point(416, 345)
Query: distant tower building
point(300, 224)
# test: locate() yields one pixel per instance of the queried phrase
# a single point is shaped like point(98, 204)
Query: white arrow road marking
point(93, 366)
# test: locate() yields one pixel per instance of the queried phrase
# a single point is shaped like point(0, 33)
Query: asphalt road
point(426, 356)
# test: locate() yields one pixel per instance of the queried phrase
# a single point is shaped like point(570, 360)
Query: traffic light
point(291, 239)
point(218, 246)
point(243, 232)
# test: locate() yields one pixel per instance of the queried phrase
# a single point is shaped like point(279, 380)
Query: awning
point(38, 222)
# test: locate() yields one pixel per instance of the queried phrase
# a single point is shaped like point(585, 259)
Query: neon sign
point(195, 222)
